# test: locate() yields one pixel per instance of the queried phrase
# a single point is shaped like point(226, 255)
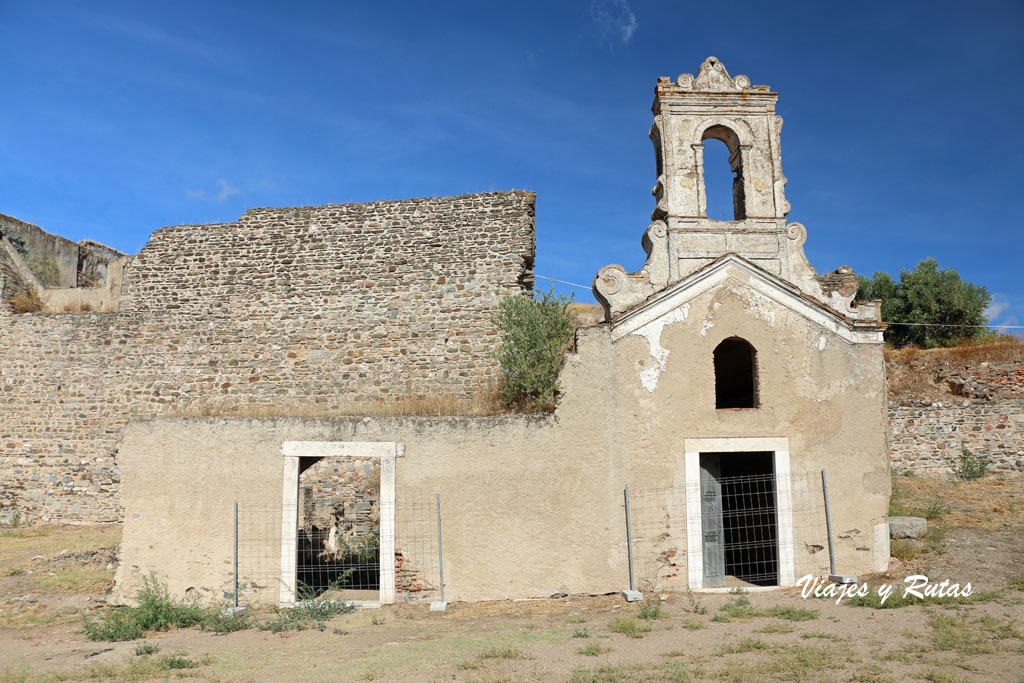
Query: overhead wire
point(979, 327)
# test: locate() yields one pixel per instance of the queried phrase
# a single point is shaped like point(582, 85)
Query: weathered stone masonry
point(929, 436)
point(981, 413)
point(291, 308)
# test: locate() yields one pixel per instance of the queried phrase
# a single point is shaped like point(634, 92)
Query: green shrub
point(603, 674)
point(535, 333)
point(740, 609)
point(628, 626)
point(501, 652)
point(157, 611)
point(178, 661)
point(696, 606)
point(745, 645)
point(900, 599)
point(219, 622)
point(307, 614)
point(971, 466)
point(649, 610)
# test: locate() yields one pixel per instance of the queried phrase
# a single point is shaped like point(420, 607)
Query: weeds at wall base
point(157, 611)
point(971, 466)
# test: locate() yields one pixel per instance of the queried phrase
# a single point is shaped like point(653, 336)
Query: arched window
point(735, 374)
point(715, 193)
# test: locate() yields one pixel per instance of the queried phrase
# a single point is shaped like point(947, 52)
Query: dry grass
point(989, 504)
point(483, 404)
point(968, 351)
point(26, 301)
point(583, 315)
point(911, 372)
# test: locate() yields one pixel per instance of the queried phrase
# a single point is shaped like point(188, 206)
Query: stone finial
point(712, 77)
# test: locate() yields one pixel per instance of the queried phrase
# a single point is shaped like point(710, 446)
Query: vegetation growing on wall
point(19, 246)
point(26, 301)
point(45, 270)
point(535, 333)
point(936, 307)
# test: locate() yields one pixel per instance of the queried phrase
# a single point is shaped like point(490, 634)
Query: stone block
point(907, 527)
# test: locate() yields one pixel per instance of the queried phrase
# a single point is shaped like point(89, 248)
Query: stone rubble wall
point(291, 310)
point(929, 436)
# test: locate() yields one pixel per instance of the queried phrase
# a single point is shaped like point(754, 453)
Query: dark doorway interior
point(338, 529)
point(747, 552)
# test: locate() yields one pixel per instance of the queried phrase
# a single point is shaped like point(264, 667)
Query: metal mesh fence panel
point(325, 562)
point(259, 553)
point(417, 574)
point(658, 520)
point(754, 530)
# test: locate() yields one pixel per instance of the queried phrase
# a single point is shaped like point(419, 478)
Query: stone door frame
point(779, 448)
point(385, 452)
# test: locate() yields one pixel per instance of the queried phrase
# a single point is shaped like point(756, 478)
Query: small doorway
point(738, 510)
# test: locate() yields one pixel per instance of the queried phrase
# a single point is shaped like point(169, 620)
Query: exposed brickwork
point(286, 308)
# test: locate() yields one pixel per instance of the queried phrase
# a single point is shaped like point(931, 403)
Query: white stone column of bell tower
point(702, 197)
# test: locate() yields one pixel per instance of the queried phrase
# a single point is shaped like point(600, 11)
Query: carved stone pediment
point(712, 77)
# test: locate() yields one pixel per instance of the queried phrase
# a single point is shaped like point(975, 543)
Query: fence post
point(234, 561)
point(833, 576)
point(631, 595)
point(439, 606)
point(234, 610)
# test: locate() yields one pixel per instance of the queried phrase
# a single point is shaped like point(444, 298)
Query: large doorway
point(344, 563)
point(739, 525)
point(338, 550)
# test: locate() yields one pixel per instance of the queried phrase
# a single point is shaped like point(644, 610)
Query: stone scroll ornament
point(712, 77)
point(613, 282)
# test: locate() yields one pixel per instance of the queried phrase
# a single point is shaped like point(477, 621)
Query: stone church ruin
point(227, 358)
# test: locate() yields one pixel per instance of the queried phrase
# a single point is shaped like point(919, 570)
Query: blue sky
point(902, 138)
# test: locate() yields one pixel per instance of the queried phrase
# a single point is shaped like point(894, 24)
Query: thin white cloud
point(124, 28)
point(997, 307)
point(614, 20)
point(224, 190)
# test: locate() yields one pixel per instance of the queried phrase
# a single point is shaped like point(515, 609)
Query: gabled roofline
point(765, 283)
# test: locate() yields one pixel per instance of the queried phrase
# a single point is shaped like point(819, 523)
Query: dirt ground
point(53, 577)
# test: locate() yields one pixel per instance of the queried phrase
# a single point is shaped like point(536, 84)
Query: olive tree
point(928, 307)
